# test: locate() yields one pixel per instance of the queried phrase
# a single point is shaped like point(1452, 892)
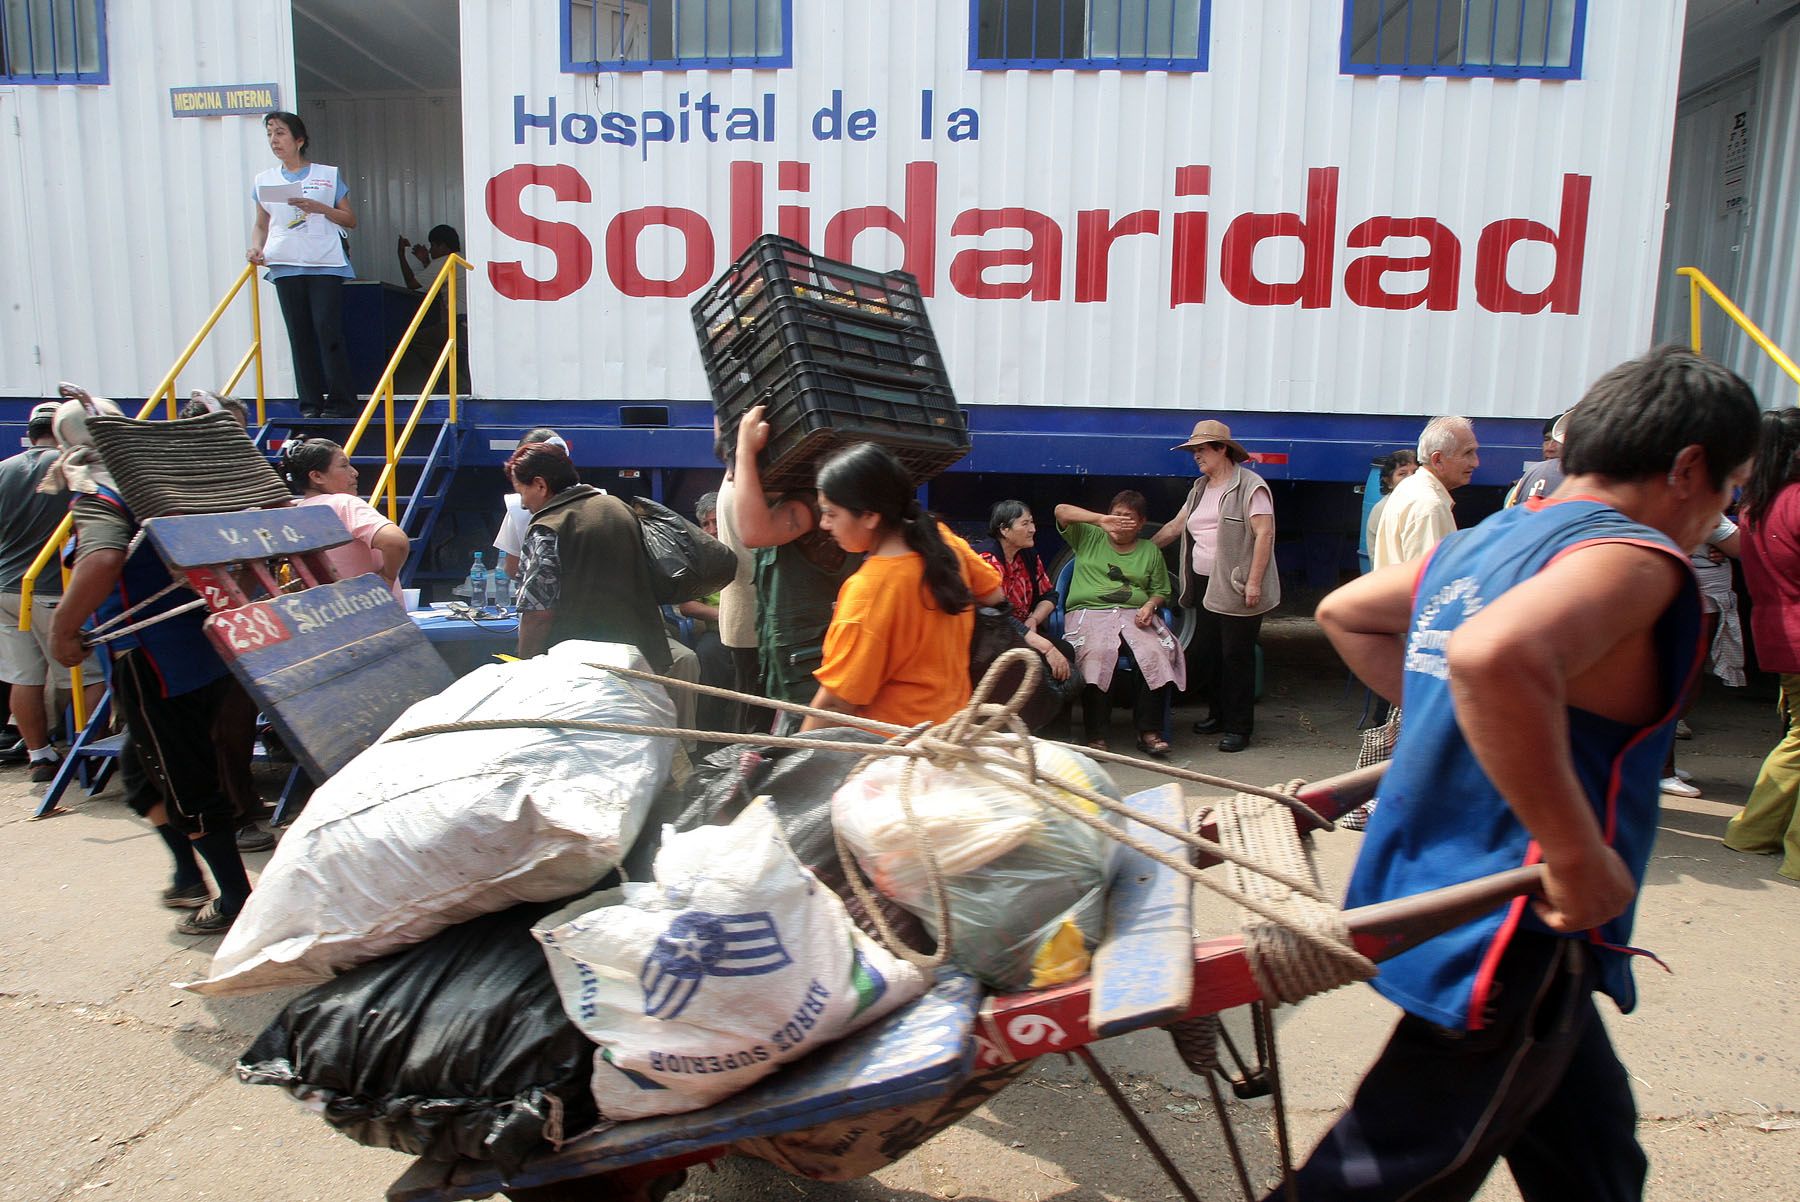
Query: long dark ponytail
point(1777, 460)
point(867, 479)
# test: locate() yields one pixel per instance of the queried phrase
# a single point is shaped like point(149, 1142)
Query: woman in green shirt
point(1116, 595)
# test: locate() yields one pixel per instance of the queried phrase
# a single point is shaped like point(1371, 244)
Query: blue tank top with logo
point(1441, 821)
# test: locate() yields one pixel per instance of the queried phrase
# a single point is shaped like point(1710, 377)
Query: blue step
point(435, 450)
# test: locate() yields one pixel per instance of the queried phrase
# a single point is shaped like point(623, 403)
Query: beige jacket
point(1231, 566)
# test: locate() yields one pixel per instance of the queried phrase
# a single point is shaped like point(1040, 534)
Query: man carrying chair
point(167, 680)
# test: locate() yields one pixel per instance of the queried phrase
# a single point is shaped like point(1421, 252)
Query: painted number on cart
point(250, 628)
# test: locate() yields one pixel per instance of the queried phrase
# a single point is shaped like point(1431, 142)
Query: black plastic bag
point(686, 563)
point(458, 1047)
point(997, 632)
point(799, 785)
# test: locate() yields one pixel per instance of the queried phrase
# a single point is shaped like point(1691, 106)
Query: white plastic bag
point(737, 960)
point(1025, 883)
point(417, 835)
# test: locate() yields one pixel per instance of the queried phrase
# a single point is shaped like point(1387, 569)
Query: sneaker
point(1677, 787)
point(1684, 774)
point(44, 771)
point(210, 921)
point(1683, 730)
point(186, 897)
point(251, 837)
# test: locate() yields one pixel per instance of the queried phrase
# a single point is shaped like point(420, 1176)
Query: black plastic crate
point(862, 336)
point(814, 410)
point(793, 330)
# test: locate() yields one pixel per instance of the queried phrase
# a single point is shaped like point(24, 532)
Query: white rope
point(971, 739)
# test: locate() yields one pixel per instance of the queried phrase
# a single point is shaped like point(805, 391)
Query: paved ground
point(114, 1085)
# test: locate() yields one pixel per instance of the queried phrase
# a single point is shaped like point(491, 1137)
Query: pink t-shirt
point(1771, 556)
point(364, 522)
point(1203, 523)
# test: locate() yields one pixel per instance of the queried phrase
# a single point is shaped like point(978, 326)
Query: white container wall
point(121, 226)
point(594, 241)
point(1708, 215)
point(1771, 269)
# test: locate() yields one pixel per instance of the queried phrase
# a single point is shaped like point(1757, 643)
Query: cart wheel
point(603, 1187)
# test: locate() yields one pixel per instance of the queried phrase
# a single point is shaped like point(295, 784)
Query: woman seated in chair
point(1115, 600)
point(1030, 597)
point(322, 474)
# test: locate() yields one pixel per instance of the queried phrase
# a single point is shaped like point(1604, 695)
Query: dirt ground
point(115, 1085)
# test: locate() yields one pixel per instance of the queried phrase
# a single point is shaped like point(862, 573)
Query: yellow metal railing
point(382, 399)
point(1698, 284)
point(164, 393)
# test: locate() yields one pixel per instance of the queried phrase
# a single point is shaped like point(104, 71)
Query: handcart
point(926, 1066)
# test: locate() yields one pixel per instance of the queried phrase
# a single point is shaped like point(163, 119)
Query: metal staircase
point(425, 479)
point(421, 480)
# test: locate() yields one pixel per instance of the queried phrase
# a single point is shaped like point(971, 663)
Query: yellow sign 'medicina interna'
point(224, 100)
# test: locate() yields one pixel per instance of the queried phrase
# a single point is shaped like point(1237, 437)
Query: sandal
point(1151, 743)
point(1096, 745)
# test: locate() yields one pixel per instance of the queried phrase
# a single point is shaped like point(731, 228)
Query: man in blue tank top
point(1543, 656)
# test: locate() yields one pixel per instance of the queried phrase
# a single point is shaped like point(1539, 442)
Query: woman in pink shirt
point(320, 471)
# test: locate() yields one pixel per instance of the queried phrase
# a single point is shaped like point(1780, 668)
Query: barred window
point(654, 35)
point(1539, 39)
point(52, 41)
point(1093, 35)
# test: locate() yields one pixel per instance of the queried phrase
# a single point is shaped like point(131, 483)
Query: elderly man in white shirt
point(1418, 511)
point(1414, 519)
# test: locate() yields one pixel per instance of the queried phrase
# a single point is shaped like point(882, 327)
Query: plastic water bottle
point(500, 586)
point(477, 583)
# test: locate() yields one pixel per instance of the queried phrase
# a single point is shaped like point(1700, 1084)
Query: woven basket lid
point(203, 464)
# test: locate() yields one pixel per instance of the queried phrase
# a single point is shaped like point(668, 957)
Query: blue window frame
point(1506, 39)
point(676, 35)
point(52, 41)
point(1089, 35)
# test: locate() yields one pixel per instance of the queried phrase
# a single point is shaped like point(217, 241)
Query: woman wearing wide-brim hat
point(1227, 576)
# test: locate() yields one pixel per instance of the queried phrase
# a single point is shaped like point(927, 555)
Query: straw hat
point(1212, 431)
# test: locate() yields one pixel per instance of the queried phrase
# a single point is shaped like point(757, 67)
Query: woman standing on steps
point(302, 209)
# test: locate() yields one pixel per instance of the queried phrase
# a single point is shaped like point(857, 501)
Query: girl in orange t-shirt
point(898, 646)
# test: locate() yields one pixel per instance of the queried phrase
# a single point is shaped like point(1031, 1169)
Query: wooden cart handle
point(1337, 795)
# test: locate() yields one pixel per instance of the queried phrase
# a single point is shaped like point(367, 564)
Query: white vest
point(299, 239)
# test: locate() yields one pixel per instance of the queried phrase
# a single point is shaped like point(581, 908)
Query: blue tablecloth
point(440, 627)
point(467, 645)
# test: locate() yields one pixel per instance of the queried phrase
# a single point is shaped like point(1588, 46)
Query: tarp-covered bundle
point(418, 834)
point(736, 961)
point(456, 1047)
point(1025, 882)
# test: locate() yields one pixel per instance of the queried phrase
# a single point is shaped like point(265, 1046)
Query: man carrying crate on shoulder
point(799, 569)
